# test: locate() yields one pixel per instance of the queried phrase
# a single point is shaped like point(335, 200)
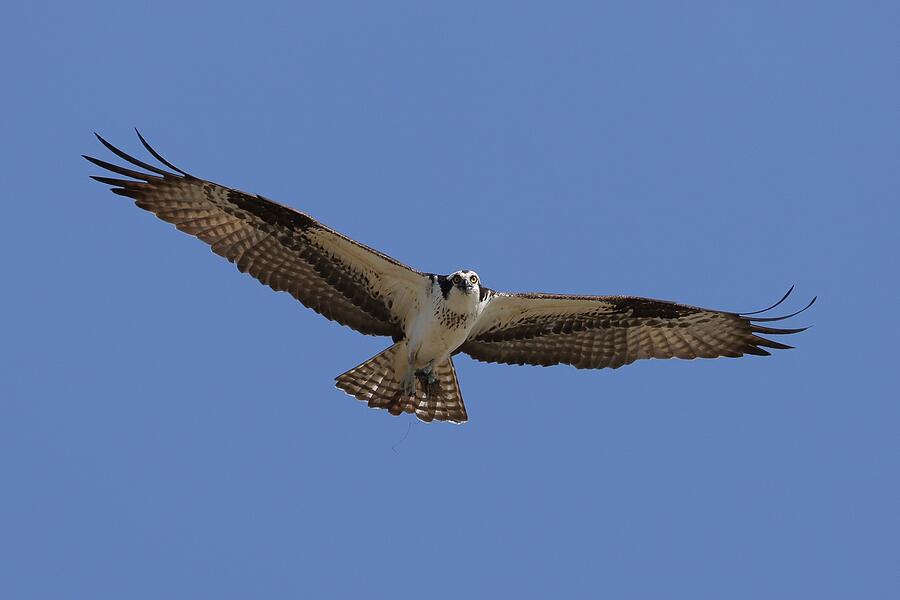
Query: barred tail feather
point(375, 382)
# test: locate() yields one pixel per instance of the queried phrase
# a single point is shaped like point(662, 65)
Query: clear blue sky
point(169, 428)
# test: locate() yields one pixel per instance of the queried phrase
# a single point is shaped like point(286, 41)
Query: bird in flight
point(430, 317)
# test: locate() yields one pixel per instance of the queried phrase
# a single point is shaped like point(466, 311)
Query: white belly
point(431, 341)
point(440, 328)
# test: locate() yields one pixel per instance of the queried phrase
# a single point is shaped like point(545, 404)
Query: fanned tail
point(375, 382)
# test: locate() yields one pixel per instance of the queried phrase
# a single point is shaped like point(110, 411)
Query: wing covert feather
point(595, 332)
point(284, 249)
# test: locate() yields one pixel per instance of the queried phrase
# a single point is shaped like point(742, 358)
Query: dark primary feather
point(285, 249)
point(593, 332)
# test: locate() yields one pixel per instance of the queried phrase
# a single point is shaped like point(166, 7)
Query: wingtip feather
point(783, 298)
point(782, 318)
point(134, 161)
point(157, 155)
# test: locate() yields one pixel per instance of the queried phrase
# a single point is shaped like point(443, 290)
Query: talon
point(426, 375)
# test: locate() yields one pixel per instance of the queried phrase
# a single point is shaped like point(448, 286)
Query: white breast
point(440, 326)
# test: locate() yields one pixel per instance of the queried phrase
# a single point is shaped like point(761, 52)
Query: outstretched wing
point(593, 332)
point(286, 250)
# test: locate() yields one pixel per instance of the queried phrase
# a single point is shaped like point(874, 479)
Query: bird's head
point(464, 281)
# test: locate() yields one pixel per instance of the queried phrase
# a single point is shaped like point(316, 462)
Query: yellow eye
point(473, 279)
point(457, 279)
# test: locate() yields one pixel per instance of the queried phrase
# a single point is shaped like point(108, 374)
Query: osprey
point(429, 317)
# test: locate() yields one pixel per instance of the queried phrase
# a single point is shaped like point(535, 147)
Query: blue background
point(169, 428)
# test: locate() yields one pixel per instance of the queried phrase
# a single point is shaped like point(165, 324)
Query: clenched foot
point(426, 375)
